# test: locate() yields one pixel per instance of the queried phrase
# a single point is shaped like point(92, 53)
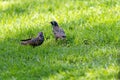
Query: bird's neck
point(56, 27)
point(40, 37)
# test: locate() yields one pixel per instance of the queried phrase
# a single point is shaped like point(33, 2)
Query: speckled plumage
point(34, 41)
point(58, 32)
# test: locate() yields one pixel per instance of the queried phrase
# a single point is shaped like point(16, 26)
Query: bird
point(58, 32)
point(34, 41)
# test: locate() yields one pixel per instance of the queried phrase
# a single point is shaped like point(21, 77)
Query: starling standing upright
point(58, 32)
point(35, 41)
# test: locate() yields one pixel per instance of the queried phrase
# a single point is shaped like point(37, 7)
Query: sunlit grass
point(90, 52)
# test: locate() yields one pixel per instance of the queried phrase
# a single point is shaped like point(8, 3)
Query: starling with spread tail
point(34, 41)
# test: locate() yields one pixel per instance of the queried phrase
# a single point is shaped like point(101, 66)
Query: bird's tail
point(26, 39)
point(24, 42)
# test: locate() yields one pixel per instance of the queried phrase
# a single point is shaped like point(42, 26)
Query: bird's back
point(59, 32)
point(36, 41)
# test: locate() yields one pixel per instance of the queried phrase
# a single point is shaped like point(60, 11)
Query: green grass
point(92, 49)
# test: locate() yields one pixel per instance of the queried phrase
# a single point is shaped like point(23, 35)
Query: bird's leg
point(56, 38)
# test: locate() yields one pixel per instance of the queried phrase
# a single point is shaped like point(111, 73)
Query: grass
point(92, 50)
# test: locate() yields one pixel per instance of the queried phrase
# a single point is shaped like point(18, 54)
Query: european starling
point(58, 32)
point(34, 41)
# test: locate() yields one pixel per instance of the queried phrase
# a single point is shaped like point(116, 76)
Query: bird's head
point(40, 34)
point(54, 23)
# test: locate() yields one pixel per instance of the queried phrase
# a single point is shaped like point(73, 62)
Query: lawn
point(90, 52)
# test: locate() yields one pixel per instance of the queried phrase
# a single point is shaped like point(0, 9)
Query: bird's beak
point(51, 23)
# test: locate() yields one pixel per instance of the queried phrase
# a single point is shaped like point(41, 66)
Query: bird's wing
point(34, 41)
point(25, 42)
point(61, 31)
